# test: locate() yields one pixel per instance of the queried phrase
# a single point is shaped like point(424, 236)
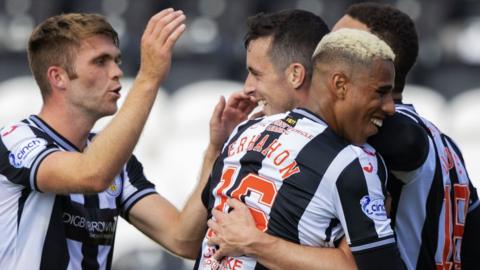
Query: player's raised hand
point(159, 37)
point(227, 115)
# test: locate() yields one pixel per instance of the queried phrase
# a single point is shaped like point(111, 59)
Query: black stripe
point(298, 190)
point(118, 199)
point(90, 253)
point(55, 252)
point(89, 250)
point(259, 266)
point(352, 187)
point(17, 176)
point(394, 187)
point(328, 232)
point(21, 203)
point(136, 175)
point(110, 257)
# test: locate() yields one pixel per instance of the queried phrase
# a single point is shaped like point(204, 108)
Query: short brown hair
point(54, 42)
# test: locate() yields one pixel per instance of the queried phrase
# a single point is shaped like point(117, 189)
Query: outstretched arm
point(236, 234)
point(94, 169)
point(182, 232)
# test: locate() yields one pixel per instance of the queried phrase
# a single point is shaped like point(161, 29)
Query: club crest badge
point(116, 188)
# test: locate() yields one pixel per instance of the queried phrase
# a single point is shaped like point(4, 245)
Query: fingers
point(172, 39)
point(162, 31)
point(219, 255)
point(155, 18)
point(216, 241)
point(250, 106)
point(165, 27)
point(218, 216)
point(217, 112)
point(236, 97)
point(239, 100)
point(212, 224)
point(169, 27)
point(235, 204)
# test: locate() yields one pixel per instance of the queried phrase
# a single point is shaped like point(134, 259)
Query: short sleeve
point(22, 149)
point(135, 186)
point(411, 143)
point(359, 198)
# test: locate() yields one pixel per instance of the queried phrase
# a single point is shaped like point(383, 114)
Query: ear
point(296, 74)
point(57, 77)
point(338, 83)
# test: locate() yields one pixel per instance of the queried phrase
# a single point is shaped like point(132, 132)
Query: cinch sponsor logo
point(89, 225)
point(374, 209)
point(16, 158)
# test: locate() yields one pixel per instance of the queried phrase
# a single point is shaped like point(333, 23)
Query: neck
point(323, 104)
point(68, 124)
point(302, 96)
point(323, 108)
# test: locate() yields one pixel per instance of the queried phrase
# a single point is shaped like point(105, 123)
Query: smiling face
point(265, 82)
point(367, 101)
point(94, 90)
point(375, 85)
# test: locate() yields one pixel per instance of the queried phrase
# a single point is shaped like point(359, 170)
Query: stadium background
point(209, 61)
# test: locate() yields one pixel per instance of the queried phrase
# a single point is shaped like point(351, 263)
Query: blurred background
point(209, 62)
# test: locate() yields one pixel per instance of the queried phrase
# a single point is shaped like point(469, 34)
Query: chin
point(107, 112)
point(359, 141)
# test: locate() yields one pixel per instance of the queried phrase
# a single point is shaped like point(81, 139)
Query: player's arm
point(182, 232)
point(358, 196)
point(94, 169)
point(236, 234)
point(402, 142)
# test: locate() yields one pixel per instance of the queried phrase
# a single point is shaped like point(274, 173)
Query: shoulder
point(13, 134)
point(22, 143)
point(362, 165)
point(403, 141)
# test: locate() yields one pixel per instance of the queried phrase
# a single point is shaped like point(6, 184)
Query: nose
point(388, 105)
point(249, 86)
point(116, 71)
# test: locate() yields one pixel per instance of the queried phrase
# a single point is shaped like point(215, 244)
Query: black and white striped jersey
point(49, 231)
point(301, 182)
point(431, 198)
